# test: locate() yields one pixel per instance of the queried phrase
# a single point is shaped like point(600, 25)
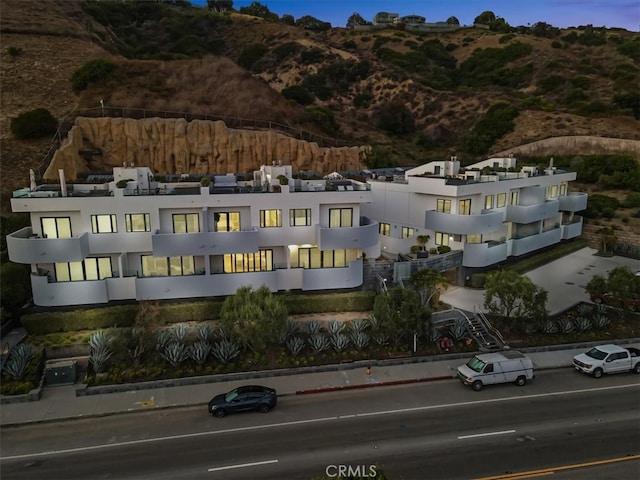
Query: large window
point(270, 218)
point(408, 232)
point(56, 227)
point(300, 217)
point(91, 269)
point(261, 261)
point(313, 257)
point(137, 222)
point(488, 202)
point(474, 238)
point(554, 191)
point(227, 221)
point(444, 206)
point(563, 189)
point(464, 207)
point(513, 198)
point(384, 229)
point(442, 238)
point(186, 223)
point(165, 266)
point(103, 224)
point(502, 200)
point(340, 217)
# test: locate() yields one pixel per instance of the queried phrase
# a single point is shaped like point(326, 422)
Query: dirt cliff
point(173, 145)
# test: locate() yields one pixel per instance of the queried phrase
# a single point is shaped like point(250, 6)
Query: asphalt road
point(441, 430)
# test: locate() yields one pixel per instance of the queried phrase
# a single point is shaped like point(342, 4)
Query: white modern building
point(491, 210)
point(134, 237)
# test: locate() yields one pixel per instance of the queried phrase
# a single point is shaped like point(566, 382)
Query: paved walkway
point(60, 403)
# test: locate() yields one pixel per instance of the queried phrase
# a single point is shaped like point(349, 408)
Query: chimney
point(63, 183)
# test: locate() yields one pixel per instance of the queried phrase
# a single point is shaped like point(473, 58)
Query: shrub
point(34, 124)
point(298, 94)
point(14, 51)
point(444, 248)
point(395, 118)
point(498, 121)
point(93, 71)
point(251, 54)
point(323, 118)
point(286, 50)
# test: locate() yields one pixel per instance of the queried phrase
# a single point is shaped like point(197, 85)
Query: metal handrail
point(490, 327)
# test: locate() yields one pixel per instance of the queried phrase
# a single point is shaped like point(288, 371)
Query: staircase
point(481, 328)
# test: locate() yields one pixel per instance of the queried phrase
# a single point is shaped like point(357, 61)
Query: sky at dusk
point(559, 13)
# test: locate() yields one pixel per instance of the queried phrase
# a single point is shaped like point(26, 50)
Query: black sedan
point(250, 397)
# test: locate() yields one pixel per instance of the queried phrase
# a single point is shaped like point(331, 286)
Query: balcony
point(207, 243)
point(324, 278)
point(488, 222)
point(484, 254)
point(57, 294)
point(24, 247)
point(532, 213)
point(573, 202)
point(520, 246)
point(366, 235)
point(573, 229)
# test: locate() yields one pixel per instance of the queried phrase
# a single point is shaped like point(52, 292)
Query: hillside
point(420, 96)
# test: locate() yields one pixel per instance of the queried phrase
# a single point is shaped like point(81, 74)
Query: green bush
point(311, 55)
point(34, 124)
point(394, 118)
point(632, 200)
point(631, 48)
point(93, 71)
point(551, 82)
point(444, 248)
point(323, 118)
point(298, 94)
point(251, 54)
point(498, 121)
point(286, 50)
point(334, 302)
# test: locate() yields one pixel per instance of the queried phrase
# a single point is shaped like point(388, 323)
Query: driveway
point(564, 279)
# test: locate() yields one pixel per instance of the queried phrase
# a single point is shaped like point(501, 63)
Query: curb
point(361, 386)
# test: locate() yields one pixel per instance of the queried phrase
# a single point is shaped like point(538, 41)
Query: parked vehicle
point(608, 359)
point(502, 367)
point(249, 397)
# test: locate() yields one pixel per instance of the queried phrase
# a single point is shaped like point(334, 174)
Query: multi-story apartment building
point(137, 238)
point(490, 210)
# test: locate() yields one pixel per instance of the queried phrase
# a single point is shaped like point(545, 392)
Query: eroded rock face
point(173, 145)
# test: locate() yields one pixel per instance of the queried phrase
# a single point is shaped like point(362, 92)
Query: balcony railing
point(25, 247)
point(205, 243)
point(363, 236)
point(488, 222)
point(573, 202)
point(531, 213)
point(484, 254)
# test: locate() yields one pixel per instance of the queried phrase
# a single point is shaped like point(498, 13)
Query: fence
point(141, 113)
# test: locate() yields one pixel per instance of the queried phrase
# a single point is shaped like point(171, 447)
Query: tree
point(485, 18)
point(427, 282)
point(288, 19)
point(259, 10)
point(401, 314)
point(220, 6)
point(379, 157)
point(312, 23)
point(15, 287)
point(620, 289)
point(253, 316)
point(453, 21)
point(608, 238)
point(514, 297)
point(356, 19)
point(34, 124)
point(395, 118)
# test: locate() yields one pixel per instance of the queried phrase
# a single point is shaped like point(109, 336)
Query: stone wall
point(595, 239)
point(173, 145)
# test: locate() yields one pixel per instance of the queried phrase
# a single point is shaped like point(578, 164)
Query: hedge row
point(177, 312)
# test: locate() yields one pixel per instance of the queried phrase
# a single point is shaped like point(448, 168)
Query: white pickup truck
point(608, 359)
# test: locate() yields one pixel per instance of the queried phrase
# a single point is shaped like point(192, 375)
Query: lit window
point(137, 222)
point(165, 266)
point(513, 199)
point(502, 200)
point(563, 189)
point(227, 221)
point(270, 218)
point(554, 191)
point(474, 238)
point(408, 232)
point(488, 202)
point(314, 258)
point(340, 217)
point(464, 207)
point(442, 238)
point(186, 223)
point(56, 227)
point(103, 224)
point(444, 206)
point(261, 261)
point(384, 229)
point(90, 269)
point(300, 217)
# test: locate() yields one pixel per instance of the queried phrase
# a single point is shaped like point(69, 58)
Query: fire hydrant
point(368, 369)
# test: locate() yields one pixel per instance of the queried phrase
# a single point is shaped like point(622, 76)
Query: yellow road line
point(552, 470)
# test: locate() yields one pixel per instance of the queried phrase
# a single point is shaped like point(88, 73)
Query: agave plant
point(567, 326)
point(374, 323)
point(289, 329)
point(380, 337)
point(162, 340)
point(295, 345)
point(600, 320)
point(335, 327)
point(319, 343)
point(199, 351)
point(204, 332)
point(18, 363)
point(550, 327)
point(357, 325)
point(312, 327)
point(175, 353)
point(339, 341)
point(584, 310)
point(434, 335)
point(601, 308)
point(225, 350)
point(99, 341)
point(99, 350)
point(530, 328)
point(583, 324)
point(458, 330)
point(180, 332)
point(360, 340)
point(98, 359)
